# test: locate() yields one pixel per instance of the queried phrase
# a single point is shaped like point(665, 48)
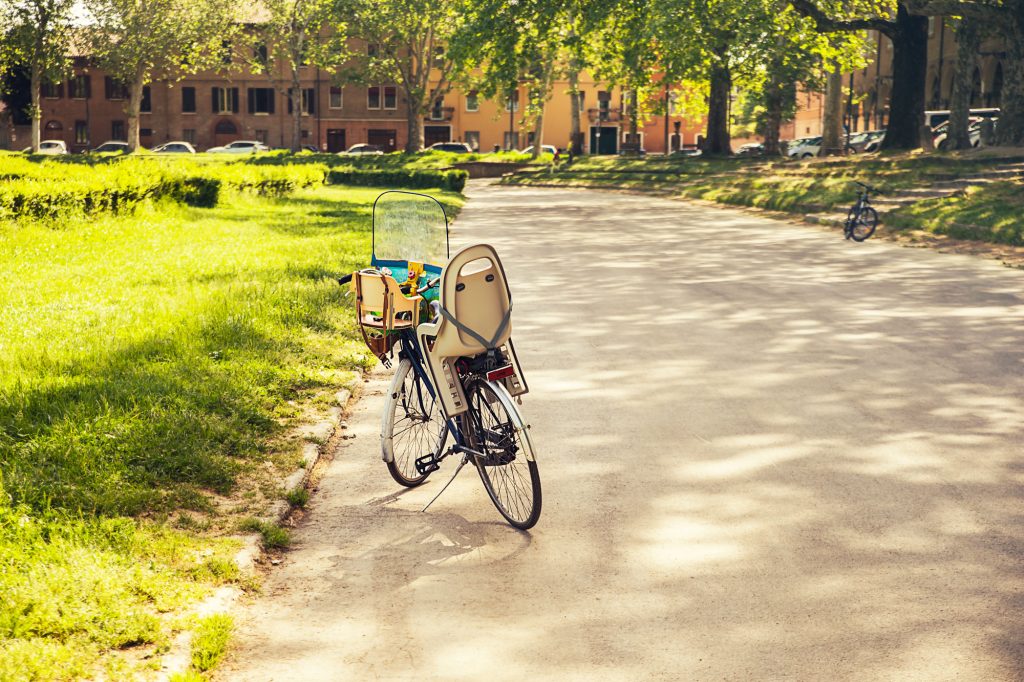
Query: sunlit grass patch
point(149, 364)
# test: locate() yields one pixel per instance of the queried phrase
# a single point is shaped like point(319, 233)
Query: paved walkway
point(766, 453)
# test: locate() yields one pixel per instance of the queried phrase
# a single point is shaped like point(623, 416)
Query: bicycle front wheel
point(865, 224)
point(413, 425)
point(506, 464)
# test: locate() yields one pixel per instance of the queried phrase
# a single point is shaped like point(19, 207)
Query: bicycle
point(862, 219)
point(453, 390)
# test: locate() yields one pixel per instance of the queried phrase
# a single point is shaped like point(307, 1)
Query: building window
point(225, 51)
point(146, 106)
point(438, 57)
point(188, 100)
point(81, 132)
point(115, 89)
point(512, 103)
point(437, 111)
point(53, 126)
point(336, 97)
point(390, 97)
point(261, 55)
point(261, 136)
point(189, 135)
point(225, 127)
point(372, 49)
point(472, 138)
point(473, 101)
point(373, 97)
point(79, 87)
point(225, 100)
point(511, 140)
point(145, 132)
point(308, 101)
point(261, 100)
point(51, 90)
point(305, 134)
point(117, 131)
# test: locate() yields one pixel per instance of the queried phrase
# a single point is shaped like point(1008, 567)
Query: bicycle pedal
point(427, 464)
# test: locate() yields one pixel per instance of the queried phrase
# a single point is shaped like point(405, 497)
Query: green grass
point(210, 640)
point(985, 214)
point(273, 535)
point(147, 363)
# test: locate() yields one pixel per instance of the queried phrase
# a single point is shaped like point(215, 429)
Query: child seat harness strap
point(489, 345)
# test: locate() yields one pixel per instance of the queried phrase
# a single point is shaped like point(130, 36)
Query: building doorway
point(435, 134)
point(605, 143)
point(385, 139)
point(224, 132)
point(335, 140)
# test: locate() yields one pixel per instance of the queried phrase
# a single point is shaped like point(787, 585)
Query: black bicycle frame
point(410, 348)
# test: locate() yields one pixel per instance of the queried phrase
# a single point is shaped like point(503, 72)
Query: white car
point(174, 148)
point(50, 148)
point(240, 147)
point(941, 132)
point(804, 148)
point(544, 149)
point(364, 148)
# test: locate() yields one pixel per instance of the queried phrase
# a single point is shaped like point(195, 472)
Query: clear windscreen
point(409, 227)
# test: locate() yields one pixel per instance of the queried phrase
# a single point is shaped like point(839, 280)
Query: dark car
point(112, 148)
point(751, 149)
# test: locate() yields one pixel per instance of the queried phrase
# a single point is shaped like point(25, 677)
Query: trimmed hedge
point(54, 188)
point(453, 180)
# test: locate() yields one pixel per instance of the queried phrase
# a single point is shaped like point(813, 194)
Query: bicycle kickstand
point(465, 460)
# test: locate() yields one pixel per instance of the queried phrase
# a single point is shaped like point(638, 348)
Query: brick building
point(213, 108)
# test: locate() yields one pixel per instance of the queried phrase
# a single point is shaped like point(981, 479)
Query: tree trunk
point(832, 142)
point(538, 130)
point(909, 66)
point(773, 102)
point(1010, 131)
point(717, 142)
point(37, 112)
point(415, 126)
point(134, 111)
point(296, 97)
point(968, 39)
point(575, 147)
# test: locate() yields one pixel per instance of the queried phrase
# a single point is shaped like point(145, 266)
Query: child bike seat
point(475, 316)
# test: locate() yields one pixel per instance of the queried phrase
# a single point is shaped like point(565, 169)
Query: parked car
point(751, 149)
point(364, 148)
point(49, 147)
point(174, 148)
point(859, 142)
point(933, 119)
point(687, 151)
point(804, 148)
point(453, 147)
point(112, 147)
point(544, 149)
point(940, 133)
point(240, 147)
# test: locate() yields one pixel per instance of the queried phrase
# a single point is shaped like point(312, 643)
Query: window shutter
point(311, 100)
point(88, 86)
point(252, 100)
point(213, 100)
point(289, 98)
point(234, 100)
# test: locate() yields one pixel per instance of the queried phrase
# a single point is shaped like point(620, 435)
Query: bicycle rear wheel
point(413, 425)
point(507, 468)
point(864, 225)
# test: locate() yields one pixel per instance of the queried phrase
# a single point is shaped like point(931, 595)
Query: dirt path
point(766, 453)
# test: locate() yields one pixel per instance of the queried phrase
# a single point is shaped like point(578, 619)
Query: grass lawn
point(150, 364)
point(811, 187)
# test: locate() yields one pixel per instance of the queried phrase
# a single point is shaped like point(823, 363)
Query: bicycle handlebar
point(429, 285)
point(867, 187)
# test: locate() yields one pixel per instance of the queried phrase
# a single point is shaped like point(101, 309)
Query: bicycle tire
point(508, 471)
point(412, 426)
point(865, 224)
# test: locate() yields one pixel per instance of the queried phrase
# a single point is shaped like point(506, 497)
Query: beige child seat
point(476, 312)
point(381, 307)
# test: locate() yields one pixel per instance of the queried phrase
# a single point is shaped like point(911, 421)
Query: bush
point(453, 180)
